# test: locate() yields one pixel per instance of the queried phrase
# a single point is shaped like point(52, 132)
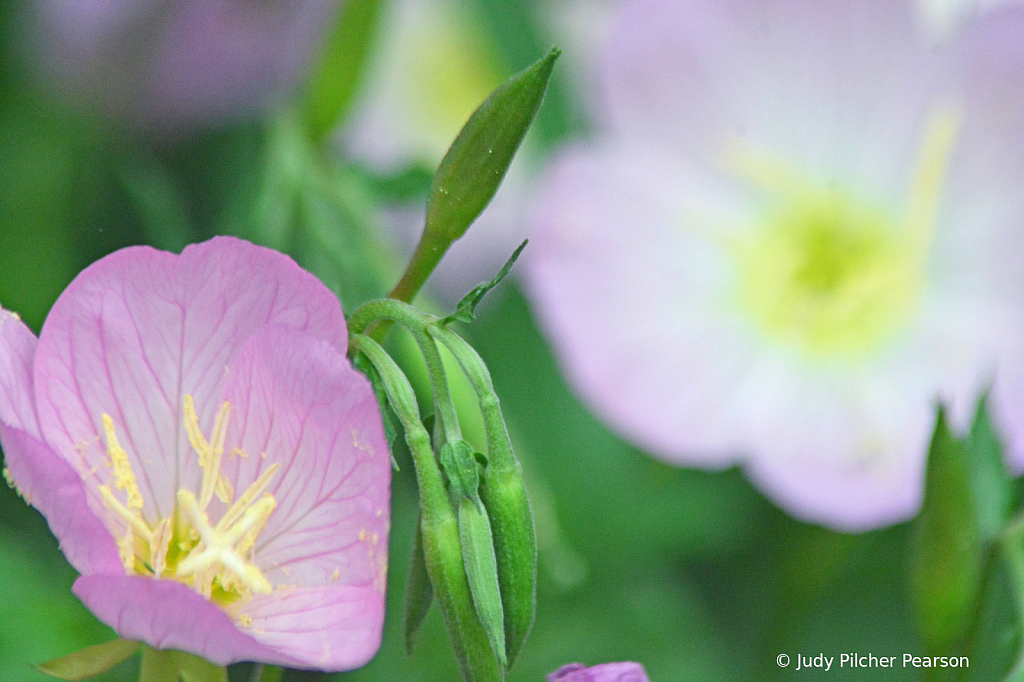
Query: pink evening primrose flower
point(208, 459)
point(607, 672)
point(802, 223)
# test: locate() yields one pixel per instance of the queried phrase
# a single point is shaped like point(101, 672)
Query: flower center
point(830, 273)
point(213, 559)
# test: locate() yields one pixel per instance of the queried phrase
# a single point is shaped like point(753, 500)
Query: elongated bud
point(472, 170)
point(482, 572)
point(439, 527)
point(504, 496)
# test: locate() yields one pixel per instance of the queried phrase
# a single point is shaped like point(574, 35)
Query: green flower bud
point(504, 496)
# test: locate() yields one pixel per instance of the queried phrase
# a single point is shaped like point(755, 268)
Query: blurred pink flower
point(178, 63)
point(208, 459)
point(607, 672)
point(801, 223)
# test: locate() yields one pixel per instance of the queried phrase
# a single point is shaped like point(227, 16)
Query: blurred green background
point(693, 574)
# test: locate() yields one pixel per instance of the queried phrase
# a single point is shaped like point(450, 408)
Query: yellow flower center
point(828, 272)
point(213, 559)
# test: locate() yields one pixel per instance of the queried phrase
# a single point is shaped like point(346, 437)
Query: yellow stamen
point(222, 548)
point(159, 545)
point(239, 507)
point(131, 518)
point(123, 474)
point(214, 560)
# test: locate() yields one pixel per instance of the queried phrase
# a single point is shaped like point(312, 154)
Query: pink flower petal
point(331, 628)
point(299, 402)
point(803, 76)
point(141, 328)
point(50, 485)
point(606, 672)
point(17, 397)
point(169, 615)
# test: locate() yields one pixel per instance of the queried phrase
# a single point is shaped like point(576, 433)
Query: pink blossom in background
point(607, 672)
point(799, 225)
point(179, 63)
point(208, 459)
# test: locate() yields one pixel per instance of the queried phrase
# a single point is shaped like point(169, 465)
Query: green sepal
point(174, 666)
point(361, 363)
point(465, 311)
point(947, 553)
point(333, 82)
point(90, 661)
point(460, 465)
point(195, 669)
point(419, 593)
point(482, 573)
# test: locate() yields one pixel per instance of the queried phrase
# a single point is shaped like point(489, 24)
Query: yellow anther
point(123, 475)
point(195, 434)
point(210, 453)
point(225, 493)
point(131, 518)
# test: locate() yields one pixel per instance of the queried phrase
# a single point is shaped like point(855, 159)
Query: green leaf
point(466, 310)
point(471, 172)
point(482, 573)
point(459, 463)
point(419, 593)
point(90, 661)
point(991, 483)
point(947, 553)
point(337, 76)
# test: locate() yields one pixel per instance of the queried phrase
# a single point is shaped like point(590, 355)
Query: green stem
point(403, 401)
point(423, 261)
point(417, 322)
point(386, 309)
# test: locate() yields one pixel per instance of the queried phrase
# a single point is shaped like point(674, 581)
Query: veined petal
point(140, 329)
point(17, 395)
point(168, 615)
point(298, 403)
point(53, 487)
point(331, 628)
